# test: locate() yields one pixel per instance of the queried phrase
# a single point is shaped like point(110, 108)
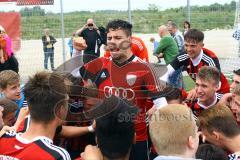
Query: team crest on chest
point(131, 79)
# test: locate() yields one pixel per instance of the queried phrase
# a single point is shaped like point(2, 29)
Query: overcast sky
point(93, 5)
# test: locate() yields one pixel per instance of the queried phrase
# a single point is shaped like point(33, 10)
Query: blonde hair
point(8, 77)
point(236, 90)
point(170, 128)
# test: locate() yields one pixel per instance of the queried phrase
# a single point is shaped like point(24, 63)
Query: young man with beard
point(126, 76)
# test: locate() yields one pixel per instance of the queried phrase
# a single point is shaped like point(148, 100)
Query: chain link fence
point(216, 20)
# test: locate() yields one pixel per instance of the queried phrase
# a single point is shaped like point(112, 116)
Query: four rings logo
point(125, 93)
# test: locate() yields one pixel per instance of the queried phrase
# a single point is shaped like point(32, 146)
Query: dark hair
point(237, 72)
point(194, 35)
point(115, 131)
point(209, 73)
point(45, 93)
point(8, 105)
point(120, 24)
point(211, 152)
point(173, 94)
point(186, 22)
point(219, 118)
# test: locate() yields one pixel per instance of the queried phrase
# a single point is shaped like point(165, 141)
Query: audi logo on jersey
point(125, 93)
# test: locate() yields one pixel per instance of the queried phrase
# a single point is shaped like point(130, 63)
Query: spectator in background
point(167, 47)
point(48, 48)
point(7, 58)
point(178, 37)
point(155, 45)
point(70, 44)
point(92, 36)
point(186, 27)
point(211, 152)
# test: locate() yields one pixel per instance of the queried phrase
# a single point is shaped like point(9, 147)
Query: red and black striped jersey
point(41, 148)
point(133, 80)
point(233, 157)
point(197, 107)
point(206, 58)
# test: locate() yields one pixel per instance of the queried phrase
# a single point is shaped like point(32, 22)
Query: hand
point(151, 111)
point(192, 95)
point(2, 60)
point(79, 43)
point(95, 27)
point(94, 125)
point(91, 153)
point(6, 129)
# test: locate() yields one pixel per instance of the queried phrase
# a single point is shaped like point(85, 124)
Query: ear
point(202, 45)
point(216, 135)
point(191, 142)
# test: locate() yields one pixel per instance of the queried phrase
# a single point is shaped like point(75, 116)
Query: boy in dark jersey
point(207, 84)
point(193, 58)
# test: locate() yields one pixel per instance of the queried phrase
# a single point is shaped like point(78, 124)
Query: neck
point(39, 129)
point(232, 144)
point(208, 102)
point(125, 58)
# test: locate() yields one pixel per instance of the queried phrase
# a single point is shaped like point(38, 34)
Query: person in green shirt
point(167, 48)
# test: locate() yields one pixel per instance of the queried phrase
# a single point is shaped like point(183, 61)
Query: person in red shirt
point(126, 76)
point(193, 58)
point(138, 48)
point(36, 142)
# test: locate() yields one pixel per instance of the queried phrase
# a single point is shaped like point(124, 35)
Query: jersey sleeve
point(181, 60)
point(90, 70)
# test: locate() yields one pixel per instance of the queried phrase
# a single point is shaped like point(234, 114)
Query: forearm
point(72, 131)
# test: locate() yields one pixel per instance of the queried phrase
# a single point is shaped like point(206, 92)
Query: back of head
point(8, 77)
point(115, 130)
point(8, 105)
point(219, 118)
point(45, 93)
point(170, 129)
point(120, 24)
point(173, 95)
point(194, 36)
point(211, 152)
point(236, 90)
point(208, 73)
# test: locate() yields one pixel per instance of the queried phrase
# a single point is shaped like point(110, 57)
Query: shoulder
point(55, 151)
